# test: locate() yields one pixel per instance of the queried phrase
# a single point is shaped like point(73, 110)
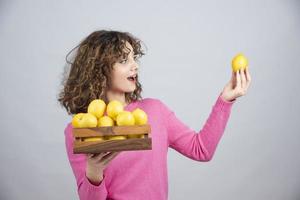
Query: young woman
point(106, 67)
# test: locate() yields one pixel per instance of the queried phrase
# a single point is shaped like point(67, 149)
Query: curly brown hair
point(89, 76)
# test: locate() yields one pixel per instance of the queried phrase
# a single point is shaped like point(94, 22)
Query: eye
point(123, 61)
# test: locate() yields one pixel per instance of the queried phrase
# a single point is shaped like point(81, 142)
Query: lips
point(132, 78)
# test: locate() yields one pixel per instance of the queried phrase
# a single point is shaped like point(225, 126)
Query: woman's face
point(124, 73)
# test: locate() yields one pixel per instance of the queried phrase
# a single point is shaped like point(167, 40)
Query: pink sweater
point(136, 175)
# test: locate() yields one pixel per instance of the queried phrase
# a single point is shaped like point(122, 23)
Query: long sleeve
point(199, 146)
point(85, 189)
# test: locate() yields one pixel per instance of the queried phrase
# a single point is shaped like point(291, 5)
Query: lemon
point(136, 136)
point(105, 121)
point(97, 107)
point(142, 136)
point(116, 137)
point(76, 121)
point(133, 136)
point(84, 120)
point(239, 62)
point(125, 118)
point(140, 117)
point(89, 120)
point(93, 139)
point(114, 108)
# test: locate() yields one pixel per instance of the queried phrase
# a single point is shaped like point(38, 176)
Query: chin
point(129, 91)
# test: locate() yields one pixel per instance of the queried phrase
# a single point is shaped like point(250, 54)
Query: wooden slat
point(112, 130)
point(112, 145)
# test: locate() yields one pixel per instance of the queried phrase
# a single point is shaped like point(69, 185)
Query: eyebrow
point(131, 52)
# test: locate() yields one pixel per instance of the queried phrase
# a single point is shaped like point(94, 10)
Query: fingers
point(243, 78)
point(233, 79)
point(97, 156)
point(106, 159)
point(232, 75)
point(248, 77)
point(238, 80)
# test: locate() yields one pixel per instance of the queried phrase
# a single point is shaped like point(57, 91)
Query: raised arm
point(199, 146)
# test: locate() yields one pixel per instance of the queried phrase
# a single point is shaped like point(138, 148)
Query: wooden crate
point(130, 144)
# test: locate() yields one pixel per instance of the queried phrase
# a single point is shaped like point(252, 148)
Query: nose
point(134, 66)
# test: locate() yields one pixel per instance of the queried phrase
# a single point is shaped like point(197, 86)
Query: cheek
point(119, 77)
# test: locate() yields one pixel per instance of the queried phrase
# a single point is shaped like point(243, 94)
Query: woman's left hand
point(237, 86)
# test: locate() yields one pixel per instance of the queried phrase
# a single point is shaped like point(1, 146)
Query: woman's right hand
point(96, 163)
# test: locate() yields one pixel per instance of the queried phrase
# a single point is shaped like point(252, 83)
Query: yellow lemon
point(105, 121)
point(136, 136)
point(114, 108)
point(76, 120)
point(97, 107)
point(133, 136)
point(116, 137)
point(140, 116)
point(125, 118)
point(84, 120)
point(239, 62)
point(142, 136)
point(93, 139)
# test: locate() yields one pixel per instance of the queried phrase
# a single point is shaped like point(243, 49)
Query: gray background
point(190, 45)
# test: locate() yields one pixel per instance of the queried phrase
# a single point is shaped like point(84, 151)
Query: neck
point(115, 95)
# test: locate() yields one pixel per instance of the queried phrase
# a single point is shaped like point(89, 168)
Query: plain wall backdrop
point(190, 45)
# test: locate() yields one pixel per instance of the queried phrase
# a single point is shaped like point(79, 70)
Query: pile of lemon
point(115, 116)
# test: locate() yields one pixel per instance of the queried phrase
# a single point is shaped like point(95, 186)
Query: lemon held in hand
point(239, 62)
point(114, 108)
point(97, 107)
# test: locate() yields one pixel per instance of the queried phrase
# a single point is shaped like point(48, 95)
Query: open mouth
point(132, 78)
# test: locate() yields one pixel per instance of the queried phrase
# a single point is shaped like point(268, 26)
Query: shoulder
point(154, 103)
point(68, 130)
point(151, 101)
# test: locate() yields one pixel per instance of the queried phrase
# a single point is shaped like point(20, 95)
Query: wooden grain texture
point(131, 144)
point(111, 130)
point(113, 145)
